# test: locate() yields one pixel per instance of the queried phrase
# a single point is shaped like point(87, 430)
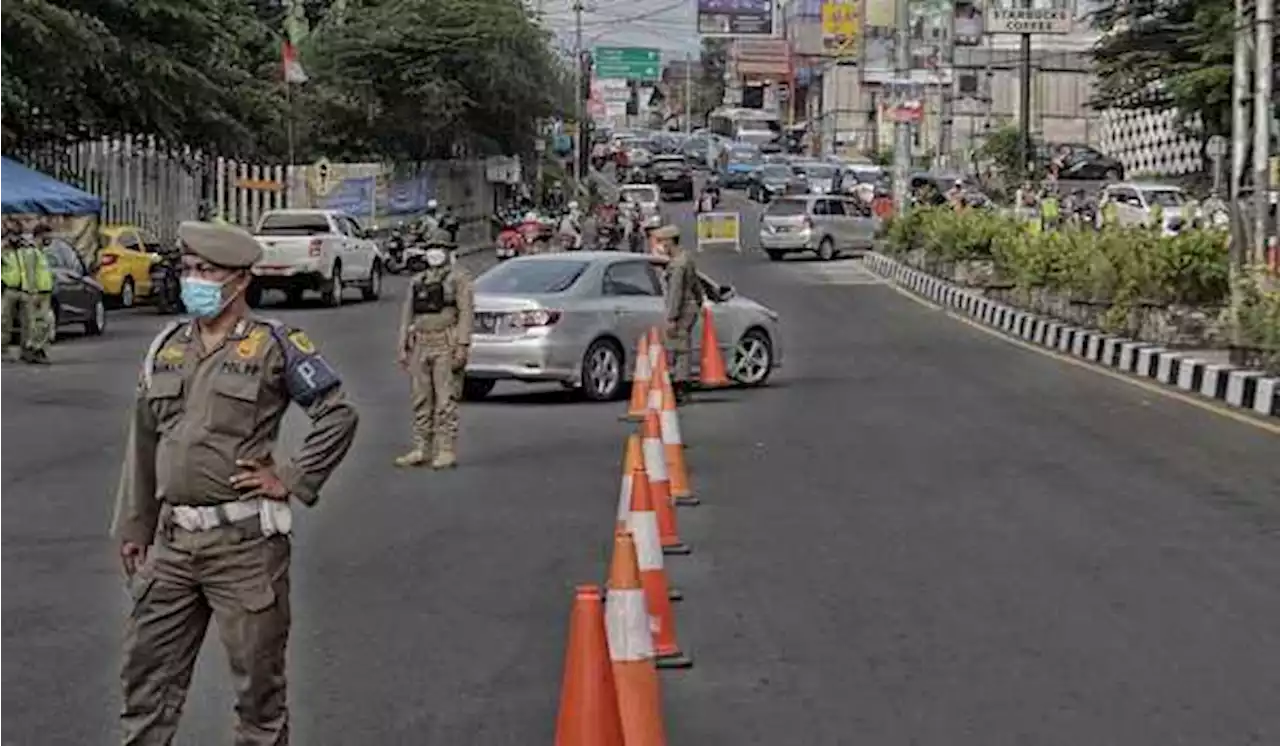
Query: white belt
point(275, 515)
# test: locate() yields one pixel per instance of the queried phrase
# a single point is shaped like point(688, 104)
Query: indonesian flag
point(293, 72)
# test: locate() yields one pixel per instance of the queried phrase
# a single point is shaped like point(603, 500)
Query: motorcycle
point(395, 253)
point(166, 288)
point(510, 240)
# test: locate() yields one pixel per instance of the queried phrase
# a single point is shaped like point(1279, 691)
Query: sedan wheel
point(602, 371)
point(97, 321)
point(752, 359)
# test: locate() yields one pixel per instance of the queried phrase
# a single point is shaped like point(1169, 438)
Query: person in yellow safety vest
point(28, 291)
point(1050, 211)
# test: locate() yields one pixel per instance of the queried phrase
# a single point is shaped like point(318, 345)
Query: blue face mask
point(203, 298)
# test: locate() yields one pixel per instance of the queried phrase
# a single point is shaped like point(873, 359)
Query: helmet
point(432, 205)
point(573, 205)
point(531, 217)
point(653, 221)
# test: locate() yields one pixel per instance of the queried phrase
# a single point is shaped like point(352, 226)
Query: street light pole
point(1264, 31)
point(577, 92)
point(901, 129)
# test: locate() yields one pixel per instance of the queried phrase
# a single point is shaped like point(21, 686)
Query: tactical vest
point(433, 293)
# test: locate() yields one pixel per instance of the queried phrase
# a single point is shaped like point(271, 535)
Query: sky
point(667, 25)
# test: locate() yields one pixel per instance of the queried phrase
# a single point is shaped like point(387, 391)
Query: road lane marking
point(1203, 404)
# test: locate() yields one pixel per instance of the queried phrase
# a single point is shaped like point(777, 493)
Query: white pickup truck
point(322, 250)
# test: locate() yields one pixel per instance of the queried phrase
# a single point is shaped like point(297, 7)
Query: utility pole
point(578, 65)
point(1024, 104)
point(1239, 147)
point(946, 113)
point(901, 129)
point(688, 93)
point(1264, 31)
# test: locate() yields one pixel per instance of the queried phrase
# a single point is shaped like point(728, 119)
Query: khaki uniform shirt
point(199, 411)
point(684, 288)
point(458, 315)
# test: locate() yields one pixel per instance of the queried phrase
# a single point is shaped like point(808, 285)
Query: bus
point(755, 126)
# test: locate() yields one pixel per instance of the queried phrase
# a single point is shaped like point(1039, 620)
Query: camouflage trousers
point(35, 312)
point(435, 383)
point(234, 575)
point(680, 348)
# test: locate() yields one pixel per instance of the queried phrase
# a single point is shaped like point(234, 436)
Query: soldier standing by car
point(435, 337)
point(202, 511)
point(684, 297)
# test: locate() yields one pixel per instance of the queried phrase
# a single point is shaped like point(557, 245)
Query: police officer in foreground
point(684, 297)
point(28, 291)
point(435, 337)
point(203, 509)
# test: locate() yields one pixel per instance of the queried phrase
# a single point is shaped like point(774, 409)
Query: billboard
point(736, 18)
point(841, 22)
point(929, 21)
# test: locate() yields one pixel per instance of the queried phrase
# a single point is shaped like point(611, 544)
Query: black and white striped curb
point(1238, 387)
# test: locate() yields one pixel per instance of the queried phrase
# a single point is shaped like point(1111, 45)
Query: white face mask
point(436, 257)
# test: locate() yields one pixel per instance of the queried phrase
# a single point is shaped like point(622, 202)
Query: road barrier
point(719, 229)
point(611, 697)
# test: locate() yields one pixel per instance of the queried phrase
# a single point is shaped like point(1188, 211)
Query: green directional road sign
point(629, 63)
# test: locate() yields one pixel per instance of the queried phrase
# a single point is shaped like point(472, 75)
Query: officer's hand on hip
point(403, 360)
point(459, 357)
point(132, 556)
point(259, 480)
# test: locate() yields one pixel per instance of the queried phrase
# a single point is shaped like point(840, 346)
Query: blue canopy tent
point(27, 192)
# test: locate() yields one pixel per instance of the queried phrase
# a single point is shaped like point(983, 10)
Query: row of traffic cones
point(618, 640)
point(711, 369)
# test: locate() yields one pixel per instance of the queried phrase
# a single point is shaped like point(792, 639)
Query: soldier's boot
point(445, 457)
point(417, 457)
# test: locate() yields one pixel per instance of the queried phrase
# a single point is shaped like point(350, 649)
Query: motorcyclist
point(955, 195)
point(710, 196)
point(1215, 212)
point(428, 223)
point(570, 228)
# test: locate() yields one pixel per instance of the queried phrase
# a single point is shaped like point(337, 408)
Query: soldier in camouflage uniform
point(684, 297)
point(435, 336)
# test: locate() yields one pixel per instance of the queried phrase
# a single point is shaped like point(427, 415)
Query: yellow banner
point(718, 228)
point(841, 24)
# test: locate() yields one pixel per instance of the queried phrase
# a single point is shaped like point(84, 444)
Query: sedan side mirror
point(725, 292)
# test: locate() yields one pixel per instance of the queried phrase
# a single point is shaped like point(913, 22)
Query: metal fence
point(143, 183)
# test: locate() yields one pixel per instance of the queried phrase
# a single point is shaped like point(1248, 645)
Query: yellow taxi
point(124, 263)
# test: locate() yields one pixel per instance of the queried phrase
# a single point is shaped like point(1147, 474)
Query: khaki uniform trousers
point(680, 344)
point(434, 384)
point(238, 577)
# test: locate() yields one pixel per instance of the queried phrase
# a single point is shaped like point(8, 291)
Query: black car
point(77, 297)
point(1081, 163)
point(673, 176)
point(774, 180)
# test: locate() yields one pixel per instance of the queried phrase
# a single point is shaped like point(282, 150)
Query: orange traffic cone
point(640, 381)
point(589, 713)
point(672, 442)
point(632, 459)
point(655, 467)
point(633, 465)
point(631, 650)
point(711, 371)
point(643, 524)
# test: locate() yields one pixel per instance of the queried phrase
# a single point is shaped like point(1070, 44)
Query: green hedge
point(1111, 266)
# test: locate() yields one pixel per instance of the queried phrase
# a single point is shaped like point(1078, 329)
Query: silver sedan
point(575, 319)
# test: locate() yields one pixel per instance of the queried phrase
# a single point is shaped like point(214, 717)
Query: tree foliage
point(1168, 54)
point(388, 78)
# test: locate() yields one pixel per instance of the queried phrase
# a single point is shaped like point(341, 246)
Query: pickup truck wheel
point(374, 288)
point(332, 292)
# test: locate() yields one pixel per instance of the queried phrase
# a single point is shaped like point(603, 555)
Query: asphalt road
point(918, 534)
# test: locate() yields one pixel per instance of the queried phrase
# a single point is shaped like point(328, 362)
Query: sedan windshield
point(1165, 197)
point(775, 173)
point(535, 277)
point(818, 171)
point(639, 194)
point(744, 156)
